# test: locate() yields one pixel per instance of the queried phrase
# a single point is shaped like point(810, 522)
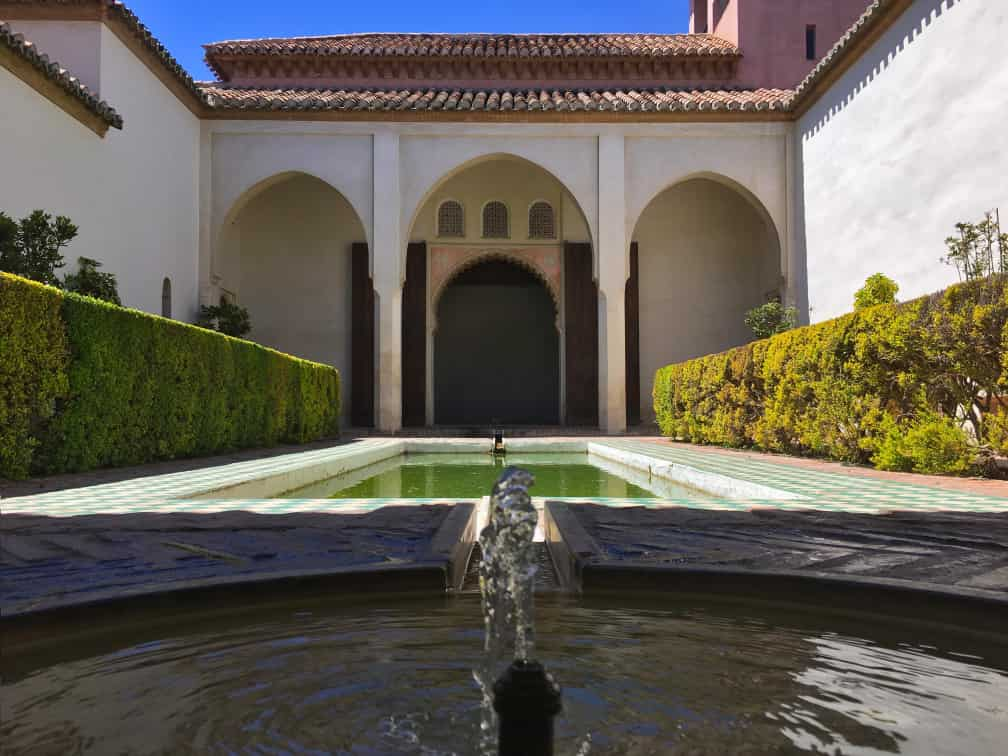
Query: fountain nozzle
point(526, 699)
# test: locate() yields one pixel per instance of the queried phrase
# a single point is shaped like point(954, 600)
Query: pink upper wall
point(771, 34)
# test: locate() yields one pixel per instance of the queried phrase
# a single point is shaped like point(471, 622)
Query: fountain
point(525, 698)
point(649, 668)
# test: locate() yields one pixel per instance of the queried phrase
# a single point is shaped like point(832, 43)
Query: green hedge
point(863, 387)
point(86, 384)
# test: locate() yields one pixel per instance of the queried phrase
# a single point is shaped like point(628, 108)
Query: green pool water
point(470, 476)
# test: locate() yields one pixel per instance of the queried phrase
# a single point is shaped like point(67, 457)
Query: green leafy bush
point(34, 355)
point(133, 388)
point(771, 318)
point(878, 289)
point(931, 444)
point(91, 282)
point(31, 247)
point(979, 249)
point(226, 318)
point(841, 389)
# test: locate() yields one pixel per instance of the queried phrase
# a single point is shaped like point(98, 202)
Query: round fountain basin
point(648, 673)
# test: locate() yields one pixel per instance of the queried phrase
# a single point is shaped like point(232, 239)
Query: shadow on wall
point(911, 25)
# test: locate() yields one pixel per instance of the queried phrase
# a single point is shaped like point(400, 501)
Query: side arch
point(719, 178)
point(243, 194)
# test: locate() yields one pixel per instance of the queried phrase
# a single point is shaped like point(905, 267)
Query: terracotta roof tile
point(60, 76)
point(118, 11)
point(485, 48)
point(483, 45)
point(223, 97)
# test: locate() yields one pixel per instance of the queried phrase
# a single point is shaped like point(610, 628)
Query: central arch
point(496, 348)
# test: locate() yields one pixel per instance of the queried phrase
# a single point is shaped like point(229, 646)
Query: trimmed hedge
point(87, 384)
point(851, 387)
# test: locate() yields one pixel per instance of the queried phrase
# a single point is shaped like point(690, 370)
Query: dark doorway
point(496, 349)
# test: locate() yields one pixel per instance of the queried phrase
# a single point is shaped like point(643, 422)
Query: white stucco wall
point(75, 45)
point(286, 257)
point(706, 256)
point(133, 193)
point(906, 143)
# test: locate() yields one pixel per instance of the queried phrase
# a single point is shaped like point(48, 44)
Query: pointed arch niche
point(435, 263)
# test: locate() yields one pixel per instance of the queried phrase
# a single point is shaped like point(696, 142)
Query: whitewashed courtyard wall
point(133, 194)
point(909, 141)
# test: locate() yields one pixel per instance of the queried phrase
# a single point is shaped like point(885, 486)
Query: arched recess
point(575, 173)
point(496, 347)
point(432, 261)
point(503, 256)
point(285, 255)
point(707, 251)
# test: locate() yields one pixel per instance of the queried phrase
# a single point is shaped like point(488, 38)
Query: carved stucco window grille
point(495, 220)
point(450, 221)
point(166, 297)
point(542, 223)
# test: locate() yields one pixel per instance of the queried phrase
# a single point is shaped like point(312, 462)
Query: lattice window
point(541, 221)
point(449, 219)
point(495, 220)
point(166, 297)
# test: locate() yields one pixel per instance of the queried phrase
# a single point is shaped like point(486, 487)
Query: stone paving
point(53, 562)
point(151, 533)
point(949, 550)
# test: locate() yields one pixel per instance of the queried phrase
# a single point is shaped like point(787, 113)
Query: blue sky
point(184, 25)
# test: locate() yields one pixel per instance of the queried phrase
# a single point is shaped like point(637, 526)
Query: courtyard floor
point(70, 540)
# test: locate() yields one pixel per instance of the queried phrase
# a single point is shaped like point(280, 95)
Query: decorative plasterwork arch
point(457, 260)
point(572, 162)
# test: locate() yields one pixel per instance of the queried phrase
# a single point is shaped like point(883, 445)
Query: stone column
point(613, 269)
point(386, 266)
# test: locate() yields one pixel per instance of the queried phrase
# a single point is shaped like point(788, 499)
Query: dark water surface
point(391, 675)
point(471, 476)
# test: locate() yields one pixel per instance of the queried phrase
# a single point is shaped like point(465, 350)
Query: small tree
point(878, 289)
point(90, 281)
point(225, 318)
point(980, 249)
point(31, 247)
point(771, 318)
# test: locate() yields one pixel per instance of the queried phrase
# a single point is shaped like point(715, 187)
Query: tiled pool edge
point(712, 483)
point(204, 490)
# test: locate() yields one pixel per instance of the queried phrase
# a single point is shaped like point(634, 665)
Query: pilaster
point(386, 265)
point(613, 268)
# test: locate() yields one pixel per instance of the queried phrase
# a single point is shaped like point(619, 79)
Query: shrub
point(980, 249)
point(225, 318)
point(134, 388)
point(771, 318)
point(89, 281)
point(845, 388)
point(878, 289)
point(31, 247)
point(33, 368)
point(932, 444)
